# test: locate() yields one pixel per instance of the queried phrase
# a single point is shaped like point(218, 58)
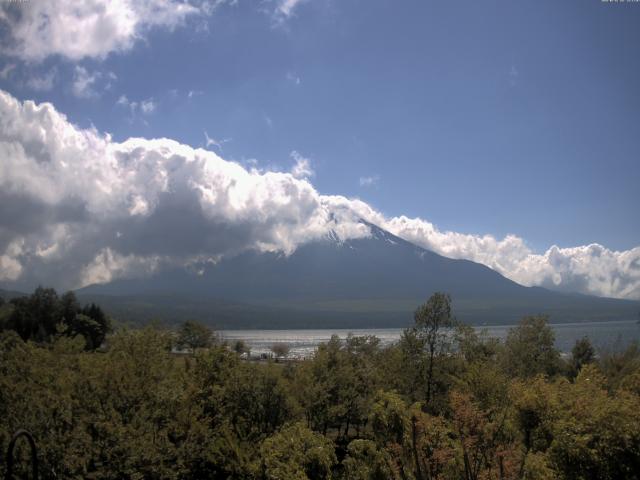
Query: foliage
point(43, 315)
point(598, 434)
point(582, 353)
point(297, 453)
point(241, 347)
point(618, 364)
point(364, 461)
point(529, 349)
point(280, 350)
point(356, 410)
point(431, 321)
point(193, 335)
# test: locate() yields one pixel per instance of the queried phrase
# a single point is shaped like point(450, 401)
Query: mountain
point(369, 282)
point(9, 294)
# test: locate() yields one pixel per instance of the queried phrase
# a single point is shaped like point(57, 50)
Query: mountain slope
point(374, 281)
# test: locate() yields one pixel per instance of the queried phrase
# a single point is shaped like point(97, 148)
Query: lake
point(303, 343)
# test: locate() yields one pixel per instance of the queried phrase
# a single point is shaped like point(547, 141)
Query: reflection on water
point(604, 335)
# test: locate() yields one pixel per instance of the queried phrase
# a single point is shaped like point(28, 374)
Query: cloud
point(82, 29)
point(591, 269)
point(369, 181)
point(293, 78)
point(78, 207)
point(209, 141)
point(6, 70)
point(83, 82)
point(146, 107)
point(302, 167)
point(43, 83)
point(284, 8)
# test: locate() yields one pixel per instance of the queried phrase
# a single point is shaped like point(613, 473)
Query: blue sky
point(482, 117)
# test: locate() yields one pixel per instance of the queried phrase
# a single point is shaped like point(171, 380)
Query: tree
point(35, 317)
point(619, 363)
point(89, 329)
point(194, 335)
point(582, 353)
point(433, 443)
point(336, 387)
point(94, 312)
point(536, 406)
point(241, 347)
point(297, 453)
point(410, 369)
point(529, 349)
point(364, 461)
point(598, 434)
point(43, 315)
point(473, 346)
point(431, 321)
point(389, 419)
point(487, 449)
point(280, 350)
point(69, 307)
point(5, 313)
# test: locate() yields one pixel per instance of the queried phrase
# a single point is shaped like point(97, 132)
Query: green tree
point(35, 317)
point(529, 349)
point(473, 346)
point(336, 386)
point(95, 334)
point(69, 307)
point(43, 315)
point(193, 335)
point(582, 353)
point(280, 350)
point(432, 320)
point(597, 434)
point(618, 363)
point(90, 330)
point(364, 461)
point(536, 405)
point(297, 453)
point(241, 347)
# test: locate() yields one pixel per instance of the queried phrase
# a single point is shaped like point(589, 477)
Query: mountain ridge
point(372, 281)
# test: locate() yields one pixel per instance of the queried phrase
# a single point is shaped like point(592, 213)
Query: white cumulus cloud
point(77, 207)
point(591, 269)
point(82, 207)
point(82, 29)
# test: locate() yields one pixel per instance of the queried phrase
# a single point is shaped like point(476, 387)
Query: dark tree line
point(44, 314)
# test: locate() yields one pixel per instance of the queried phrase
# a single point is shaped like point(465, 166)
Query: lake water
point(303, 343)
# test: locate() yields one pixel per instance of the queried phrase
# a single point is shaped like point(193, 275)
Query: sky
point(499, 131)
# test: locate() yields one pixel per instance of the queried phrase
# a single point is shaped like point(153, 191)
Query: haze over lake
point(303, 342)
